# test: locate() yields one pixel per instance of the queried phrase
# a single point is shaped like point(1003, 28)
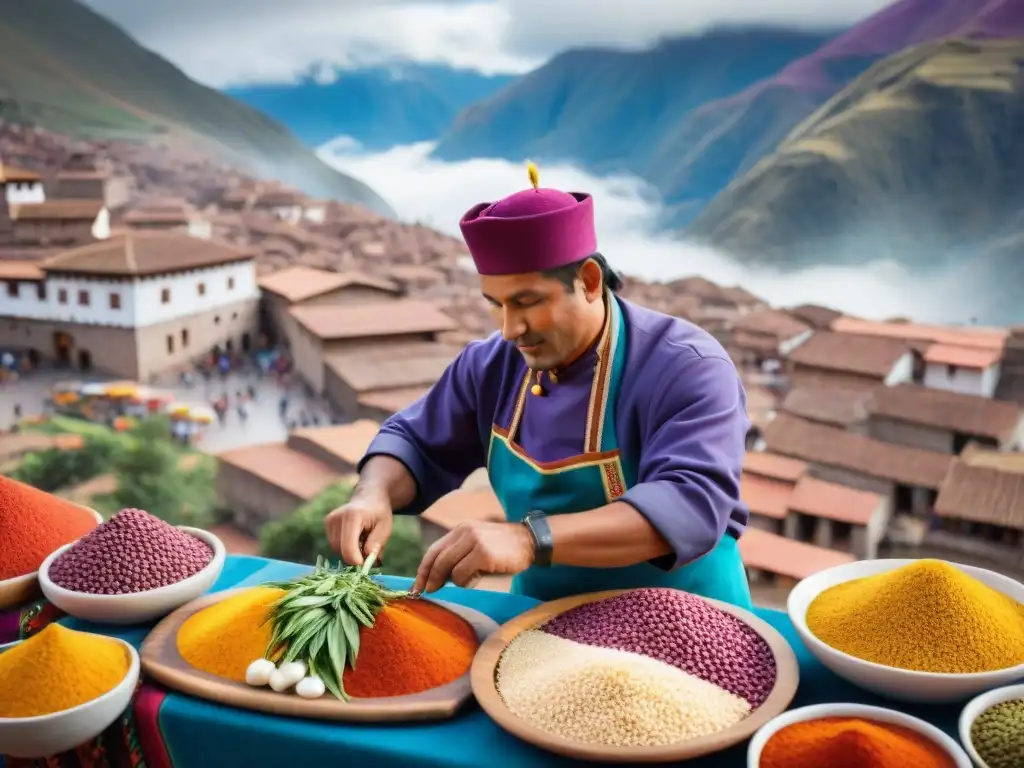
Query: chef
point(613, 435)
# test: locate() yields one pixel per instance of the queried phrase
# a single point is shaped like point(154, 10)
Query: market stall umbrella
point(201, 415)
point(122, 390)
point(93, 389)
point(179, 409)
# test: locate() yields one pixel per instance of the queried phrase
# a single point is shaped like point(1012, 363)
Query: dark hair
point(568, 274)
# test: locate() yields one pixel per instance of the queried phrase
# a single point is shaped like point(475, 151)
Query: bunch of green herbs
point(318, 618)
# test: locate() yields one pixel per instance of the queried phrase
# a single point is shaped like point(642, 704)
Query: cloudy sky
point(234, 42)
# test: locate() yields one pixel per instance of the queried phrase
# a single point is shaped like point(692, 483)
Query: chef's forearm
point(607, 537)
point(386, 476)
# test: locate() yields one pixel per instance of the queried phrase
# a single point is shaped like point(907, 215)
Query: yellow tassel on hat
point(534, 174)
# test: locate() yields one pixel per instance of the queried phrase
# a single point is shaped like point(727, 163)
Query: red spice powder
point(415, 645)
point(33, 524)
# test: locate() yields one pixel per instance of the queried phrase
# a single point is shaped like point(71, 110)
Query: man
point(613, 435)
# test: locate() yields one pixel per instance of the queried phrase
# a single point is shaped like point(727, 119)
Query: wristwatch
point(536, 523)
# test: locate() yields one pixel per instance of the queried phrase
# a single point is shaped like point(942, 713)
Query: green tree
point(301, 537)
point(53, 469)
point(149, 477)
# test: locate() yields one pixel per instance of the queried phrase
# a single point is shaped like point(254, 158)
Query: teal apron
point(593, 479)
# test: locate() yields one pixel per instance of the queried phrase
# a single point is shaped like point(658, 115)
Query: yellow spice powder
point(58, 669)
point(225, 638)
point(928, 616)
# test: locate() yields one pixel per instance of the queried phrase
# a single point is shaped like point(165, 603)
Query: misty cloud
point(234, 42)
point(437, 194)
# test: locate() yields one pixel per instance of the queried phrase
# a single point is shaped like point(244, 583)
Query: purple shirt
point(681, 420)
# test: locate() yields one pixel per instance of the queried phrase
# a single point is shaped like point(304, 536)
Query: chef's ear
point(592, 276)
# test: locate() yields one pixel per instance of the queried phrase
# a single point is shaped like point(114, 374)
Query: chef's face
point(547, 320)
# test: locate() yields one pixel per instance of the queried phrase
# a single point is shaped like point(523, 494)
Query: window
point(170, 344)
point(216, 320)
point(231, 283)
point(165, 295)
point(184, 337)
point(115, 301)
point(62, 296)
point(201, 288)
point(234, 315)
point(12, 289)
point(41, 291)
point(951, 371)
point(83, 298)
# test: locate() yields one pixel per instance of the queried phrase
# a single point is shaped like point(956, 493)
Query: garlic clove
point(258, 673)
point(278, 682)
point(292, 672)
point(310, 688)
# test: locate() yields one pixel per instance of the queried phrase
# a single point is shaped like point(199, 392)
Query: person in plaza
point(613, 435)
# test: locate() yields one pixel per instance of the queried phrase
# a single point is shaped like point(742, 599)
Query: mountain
point(747, 91)
point(613, 110)
point(378, 107)
point(919, 160)
point(67, 69)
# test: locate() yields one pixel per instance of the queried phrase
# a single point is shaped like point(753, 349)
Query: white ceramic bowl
point(980, 704)
point(44, 735)
point(863, 711)
point(891, 682)
point(21, 589)
point(135, 607)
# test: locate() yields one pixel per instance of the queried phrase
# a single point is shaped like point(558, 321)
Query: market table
point(178, 731)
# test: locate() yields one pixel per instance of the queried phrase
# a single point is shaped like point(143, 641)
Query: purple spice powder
point(131, 552)
point(678, 629)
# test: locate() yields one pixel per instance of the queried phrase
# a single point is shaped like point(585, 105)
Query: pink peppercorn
point(131, 552)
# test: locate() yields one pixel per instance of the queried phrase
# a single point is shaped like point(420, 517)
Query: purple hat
point(530, 231)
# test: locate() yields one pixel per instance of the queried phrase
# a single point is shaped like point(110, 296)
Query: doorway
point(33, 357)
point(229, 345)
point(62, 344)
point(85, 360)
point(246, 342)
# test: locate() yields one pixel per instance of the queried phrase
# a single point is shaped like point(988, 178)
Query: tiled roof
point(373, 319)
point(20, 270)
point(392, 400)
point(982, 495)
point(764, 496)
point(57, 210)
point(145, 253)
point(772, 322)
point(819, 444)
point(815, 315)
point(338, 444)
point(299, 283)
point(773, 466)
point(12, 173)
point(873, 356)
point(981, 338)
point(962, 357)
point(412, 368)
point(839, 406)
point(831, 501)
point(275, 463)
point(776, 554)
point(968, 414)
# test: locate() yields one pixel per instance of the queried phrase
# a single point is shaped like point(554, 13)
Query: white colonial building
point(133, 305)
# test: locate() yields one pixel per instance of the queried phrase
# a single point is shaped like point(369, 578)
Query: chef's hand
point(472, 550)
point(361, 526)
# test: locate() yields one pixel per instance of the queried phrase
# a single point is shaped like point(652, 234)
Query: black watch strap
point(543, 545)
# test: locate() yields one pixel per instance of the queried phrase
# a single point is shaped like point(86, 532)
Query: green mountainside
point(69, 70)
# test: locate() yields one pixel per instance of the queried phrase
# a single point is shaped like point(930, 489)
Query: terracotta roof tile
point(346, 443)
point(755, 342)
point(773, 466)
point(14, 269)
point(982, 495)
point(873, 356)
point(12, 173)
point(57, 210)
point(392, 400)
point(764, 496)
point(300, 283)
point(981, 338)
point(412, 368)
point(962, 357)
point(837, 406)
point(145, 253)
point(275, 463)
point(772, 322)
point(831, 501)
point(818, 444)
point(815, 315)
point(771, 553)
point(696, 286)
point(1006, 461)
point(463, 505)
point(364, 321)
point(968, 414)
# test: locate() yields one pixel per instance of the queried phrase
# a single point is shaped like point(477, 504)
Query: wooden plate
point(485, 666)
point(162, 662)
point(22, 589)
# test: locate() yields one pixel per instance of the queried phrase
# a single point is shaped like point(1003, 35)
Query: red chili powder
point(33, 524)
point(414, 645)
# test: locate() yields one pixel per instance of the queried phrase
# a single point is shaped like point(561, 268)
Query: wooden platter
point(162, 662)
point(22, 589)
point(485, 665)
